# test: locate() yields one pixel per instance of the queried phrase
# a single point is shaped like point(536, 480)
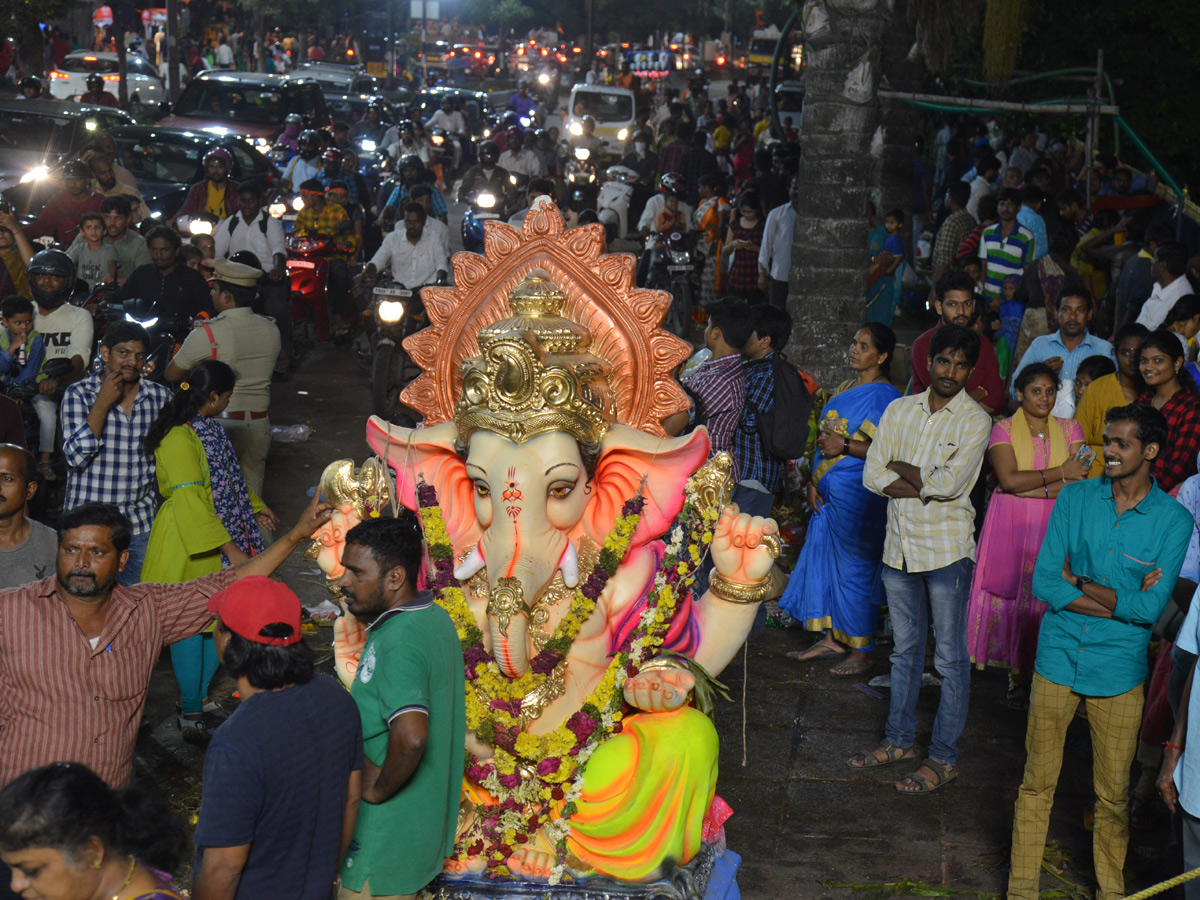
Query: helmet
point(540, 133)
point(219, 154)
point(672, 183)
point(410, 161)
point(51, 262)
point(308, 136)
point(76, 169)
point(489, 150)
point(377, 103)
point(94, 82)
point(246, 258)
point(332, 155)
point(510, 120)
point(31, 82)
point(405, 126)
point(293, 119)
point(514, 137)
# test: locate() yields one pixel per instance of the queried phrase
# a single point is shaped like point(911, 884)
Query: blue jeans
point(910, 598)
point(132, 573)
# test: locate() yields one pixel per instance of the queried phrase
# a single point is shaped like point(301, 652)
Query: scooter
point(615, 201)
point(482, 205)
point(673, 267)
point(308, 272)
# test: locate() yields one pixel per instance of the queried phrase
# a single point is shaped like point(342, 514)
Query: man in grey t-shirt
point(28, 549)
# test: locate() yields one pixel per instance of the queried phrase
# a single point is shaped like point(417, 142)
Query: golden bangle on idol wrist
point(732, 592)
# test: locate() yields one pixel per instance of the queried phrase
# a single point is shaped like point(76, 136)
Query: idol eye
point(482, 490)
point(561, 491)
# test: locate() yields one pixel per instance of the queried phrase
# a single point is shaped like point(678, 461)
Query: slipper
point(893, 753)
point(942, 770)
point(823, 651)
point(851, 668)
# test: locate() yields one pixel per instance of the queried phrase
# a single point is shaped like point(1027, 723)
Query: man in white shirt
point(434, 227)
point(414, 257)
point(775, 254)
point(224, 54)
point(253, 229)
point(453, 122)
point(304, 165)
point(986, 170)
point(1169, 268)
point(525, 160)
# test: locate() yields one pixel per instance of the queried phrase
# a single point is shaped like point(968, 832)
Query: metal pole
point(776, 128)
point(589, 51)
point(173, 85)
point(424, 40)
point(389, 52)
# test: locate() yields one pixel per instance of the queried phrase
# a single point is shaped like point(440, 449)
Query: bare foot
point(530, 862)
point(459, 868)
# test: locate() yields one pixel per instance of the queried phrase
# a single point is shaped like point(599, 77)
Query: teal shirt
point(412, 661)
point(1104, 657)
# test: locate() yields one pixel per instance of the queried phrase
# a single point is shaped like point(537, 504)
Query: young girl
point(1011, 311)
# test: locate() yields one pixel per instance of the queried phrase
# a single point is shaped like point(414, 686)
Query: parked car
point(338, 78)
point(36, 136)
point(247, 104)
point(141, 78)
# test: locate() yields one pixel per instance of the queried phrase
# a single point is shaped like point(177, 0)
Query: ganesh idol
point(564, 527)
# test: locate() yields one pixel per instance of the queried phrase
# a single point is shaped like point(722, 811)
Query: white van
point(613, 109)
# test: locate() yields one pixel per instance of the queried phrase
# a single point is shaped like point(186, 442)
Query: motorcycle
point(202, 223)
point(23, 393)
point(579, 181)
point(441, 155)
point(614, 203)
point(396, 312)
point(674, 267)
point(167, 331)
point(308, 274)
point(482, 205)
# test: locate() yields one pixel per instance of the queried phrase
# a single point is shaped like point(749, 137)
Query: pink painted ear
point(416, 454)
point(626, 457)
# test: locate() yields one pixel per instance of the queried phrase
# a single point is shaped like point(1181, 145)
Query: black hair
point(949, 338)
point(1160, 232)
point(1186, 307)
point(124, 332)
point(986, 164)
point(267, 666)
point(243, 295)
point(587, 217)
point(1132, 330)
point(104, 515)
point(772, 322)
point(897, 214)
point(420, 190)
point(960, 193)
point(884, 341)
point(188, 252)
point(715, 182)
point(64, 805)
point(120, 205)
point(14, 305)
point(392, 542)
point(1076, 290)
point(1035, 370)
point(91, 217)
point(252, 188)
point(988, 207)
point(1009, 193)
point(1031, 193)
point(416, 208)
point(732, 316)
point(953, 280)
point(540, 186)
point(1096, 367)
point(1173, 256)
point(1105, 218)
point(1069, 197)
point(207, 377)
point(29, 461)
point(312, 185)
point(1151, 423)
point(1168, 342)
point(162, 232)
point(750, 198)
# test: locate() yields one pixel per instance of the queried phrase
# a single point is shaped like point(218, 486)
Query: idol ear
point(631, 460)
point(427, 454)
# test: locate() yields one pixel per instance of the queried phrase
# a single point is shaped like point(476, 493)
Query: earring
point(97, 863)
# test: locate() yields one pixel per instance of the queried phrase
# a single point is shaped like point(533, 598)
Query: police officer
point(249, 344)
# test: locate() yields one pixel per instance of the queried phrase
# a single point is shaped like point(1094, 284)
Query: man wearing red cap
point(266, 828)
point(411, 696)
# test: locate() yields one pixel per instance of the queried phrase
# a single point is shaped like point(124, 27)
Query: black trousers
point(777, 291)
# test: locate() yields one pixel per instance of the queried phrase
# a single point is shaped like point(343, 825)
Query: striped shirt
point(113, 468)
point(1003, 256)
point(938, 528)
point(63, 701)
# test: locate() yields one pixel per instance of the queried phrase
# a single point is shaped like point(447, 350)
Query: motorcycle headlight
point(582, 154)
point(622, 134)
point(298, 204)
point(485, 200)
point(524, 120)
point(368, 145)
point(277, 210)
point(262, 145)
point(145, 323)
point(513, 179)
point(437, 140)
point(37, 173)
point(390, 311)
point(544, 78)
point(200, 226)
point(576, 128)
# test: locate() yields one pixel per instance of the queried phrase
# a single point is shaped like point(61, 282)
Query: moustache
point(76, 573)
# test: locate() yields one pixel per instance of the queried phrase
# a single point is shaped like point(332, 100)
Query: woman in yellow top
point(209, 518)
point(1120, 388)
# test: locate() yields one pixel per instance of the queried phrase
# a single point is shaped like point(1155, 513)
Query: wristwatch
point(1081, 580)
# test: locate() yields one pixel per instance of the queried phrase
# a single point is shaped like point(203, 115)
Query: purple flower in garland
point(548, 766)
point(426, 495)
point(511, 782)
point(512, 707)
point(546, 661)
point(581, 725)
point(475, 655)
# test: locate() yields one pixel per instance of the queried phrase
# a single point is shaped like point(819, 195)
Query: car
point(36, 136)
point(336, 78)
point(141, 78)
point(475, 105)
point(611, 107)
point(247, 104)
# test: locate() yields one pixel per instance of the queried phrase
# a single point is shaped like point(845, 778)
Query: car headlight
point(391, 311)
point(368, 145)
point(582, 154)
point(487, 132)
point(200, 226)
point(298, 204)
point(277, 210)
point(145, 323)
point(485, 200)
point(622, 134)
point(37, 173)
point(576, 129)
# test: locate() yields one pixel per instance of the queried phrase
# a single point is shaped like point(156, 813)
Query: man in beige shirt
point(249, 344)
point(925, 458)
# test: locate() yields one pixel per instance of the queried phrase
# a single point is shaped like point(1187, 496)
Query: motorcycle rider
point(320, 218)
point(487, 174)
point(588, 140)
point(304, 166)
point(521, 158)
point(176, 290)
point(454, 123)
point(669, 184)
point(105, 183)
point(370, 126)
point(538, 187)
point(412, 173)
point(643, 160)
point(59, 218)
point(331, 171)
point(546, 150)
point(215, 195)
point(414, 256)
point(522, 104)
point(96, 95)
point(407, 143)
point(33, 89)
point(289, 137)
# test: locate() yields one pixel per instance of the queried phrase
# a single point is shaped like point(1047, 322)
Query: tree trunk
point(842, 144)
point(122, 69)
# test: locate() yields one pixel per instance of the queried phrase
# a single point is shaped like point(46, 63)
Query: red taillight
point(59, 75)
point(89, 59)
point(720, 60)
point(478, 55)
point(576, 49)
point(111, 77)
point(349, 51)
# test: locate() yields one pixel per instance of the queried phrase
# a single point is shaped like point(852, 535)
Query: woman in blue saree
point(836, 586)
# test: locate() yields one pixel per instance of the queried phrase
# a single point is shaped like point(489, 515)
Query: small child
point(22, 353)
point(894, 223)
point(1089, 370)
point(95, 261)
point(207, 245)
point(671, 218)
point(1011, 312)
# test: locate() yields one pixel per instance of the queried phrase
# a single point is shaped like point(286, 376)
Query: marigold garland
point(537, 778)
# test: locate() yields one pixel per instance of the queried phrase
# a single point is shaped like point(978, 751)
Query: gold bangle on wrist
point(738, 593)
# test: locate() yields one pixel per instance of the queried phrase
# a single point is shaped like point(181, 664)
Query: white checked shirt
point(938, 528)
point(412, 266)
point(112, 468)
point(250, 236)
point(775, 254)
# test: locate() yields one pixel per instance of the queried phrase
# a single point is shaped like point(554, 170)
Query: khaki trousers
point(1114, 723)
point(251, 439)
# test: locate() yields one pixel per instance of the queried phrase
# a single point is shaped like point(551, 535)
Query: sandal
point(1018, 696)
point(851, 668)
point(892, 753)
point(924, 785)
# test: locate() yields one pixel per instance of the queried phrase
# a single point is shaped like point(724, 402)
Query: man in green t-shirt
point(410, 691)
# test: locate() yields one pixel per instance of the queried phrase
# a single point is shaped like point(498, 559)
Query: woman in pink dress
point(1034, 454)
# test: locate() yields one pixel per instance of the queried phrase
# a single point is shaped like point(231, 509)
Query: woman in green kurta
point(209, 518)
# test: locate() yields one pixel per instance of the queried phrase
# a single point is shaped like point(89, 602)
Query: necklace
point(128, 878)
